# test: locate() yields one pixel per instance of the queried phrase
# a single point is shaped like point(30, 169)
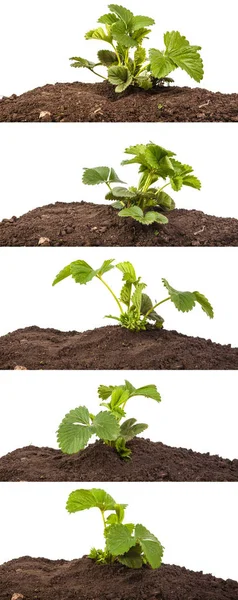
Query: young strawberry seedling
point(127, 62)
point(136, 309)
point(79, 425)
point(156, 163)
point(126, 543)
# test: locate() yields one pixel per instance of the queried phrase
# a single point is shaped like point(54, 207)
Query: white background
point(198, 410)
point(196, 523)
point(37, 38)
point(43, 165)
point(27, 275)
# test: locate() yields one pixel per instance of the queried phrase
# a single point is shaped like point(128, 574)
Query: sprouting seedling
point(143, 202)
point(136, 309)
point(127, 62)
point(79, 425)
point(126, 543)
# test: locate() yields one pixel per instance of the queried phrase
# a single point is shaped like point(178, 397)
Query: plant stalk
point(158, 304)
point(111, 292)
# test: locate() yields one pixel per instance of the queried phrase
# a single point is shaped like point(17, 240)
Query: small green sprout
point(143, 202)
point(126, 543)
point(127, 62)
point(136, 309)
point(79, 425)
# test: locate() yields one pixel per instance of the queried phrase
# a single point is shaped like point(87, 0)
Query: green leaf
point(107, 19)
point(82, 63)
point(123, 13)
point(146, 219)
point(84, 499)
point(119, 76)
point(140, 22)
point(128, 271)
point(107, 58)
point(130, 428)
point(106, 266)
point(192, 181)
point(161, 64)
point(165, 201)
point(66, 272)
point(132, 558)
point(183, 55)
point(98, 34)
point(82, 272)
point(118, 205)
point(119, 396)
point(105, 426)
point(158, 320)
point(100, 175)
point(121, 35)
point(122, 192)
point(140, 35)
point(139, 56)
point(205, 304)
point(105, 391)
point(152, 548)
point(129, 386)
point(125, 295)
point(176, 183)
point(122, 450)
point(184, 301)
point(146, 304)
point(144, 81)
point(149, 391)
point(74, 431)
point(136, 297)
point(119, 539)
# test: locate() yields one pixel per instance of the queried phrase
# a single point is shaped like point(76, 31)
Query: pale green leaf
point(146, 304)
point(106, 266)
point(107, 19)
point(176, 183)
point(122, 192)
point(119, 396)
point(105, 426)
point(128, 271)
point(130, 428)
point(119, 539)
point(139, 22)
point(205, 304)
point(66, 272)
point(165, 201)
point(120, 77)
point(82, 272)
point(152, 548)
point(82, 63)
point(120, 34)
point(84, 499)
point(136, 297)
point(149, 391)
point(125, 295)
point(144, 81)
point(123, 13)
point(97, 175)
point(145, 219)
point(183, 55)
point(139, 56)
point(98, 34)
point(192, 181)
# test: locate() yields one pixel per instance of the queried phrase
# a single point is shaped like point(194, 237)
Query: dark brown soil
point(86, 224)
point(149, 461)
point(112, 347)
point(99, 103)
point(82, 579)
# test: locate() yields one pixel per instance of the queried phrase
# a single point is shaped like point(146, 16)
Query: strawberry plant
point(127, 62)
point(155, 163)
point(136, 309)
point(126, 543)
point(79, 424)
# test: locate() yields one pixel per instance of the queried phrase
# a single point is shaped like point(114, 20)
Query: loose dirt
point(42, 579)
point(87, 224)
point(150, 461)
point(112, 348)
point(98, 102)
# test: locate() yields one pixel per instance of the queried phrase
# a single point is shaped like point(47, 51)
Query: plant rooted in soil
point(127, 63)
point(129, 544)
point(136, 202)
point(79, 425)
point(139, 312)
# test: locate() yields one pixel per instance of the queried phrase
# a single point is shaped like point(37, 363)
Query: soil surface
point(98, 102)
point(112, 347)
point(82, 579)
point(150, 461)
point(87, 224)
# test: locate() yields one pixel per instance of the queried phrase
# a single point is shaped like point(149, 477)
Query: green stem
point(111, 292)
point(155, 306)
point(98, 74)
point(109, 186)
point(117, 55)
point(163, 187)
point(103, 518)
